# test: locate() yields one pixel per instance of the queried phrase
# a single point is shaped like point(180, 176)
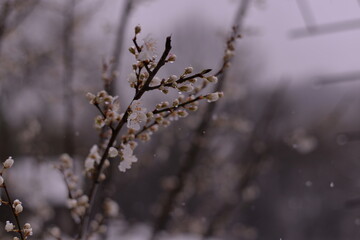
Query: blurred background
point(277, 158)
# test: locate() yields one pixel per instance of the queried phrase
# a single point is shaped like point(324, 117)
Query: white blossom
point(9, 226)
point(137, 116)
point(127, 157)
point(148, 50)
point(27, 229)
point(113, 152)
point(8, 162)
point(1, 180)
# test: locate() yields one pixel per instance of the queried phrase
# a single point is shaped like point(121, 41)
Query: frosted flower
point(127, 157)
point(111, 208)
point(137, 116)
point(9, 226)
point(8, 162)
point(27, 229)
point(1, 180)
point(148, 50)
point(113, 152)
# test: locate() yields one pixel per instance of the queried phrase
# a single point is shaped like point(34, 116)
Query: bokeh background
point(278, 159)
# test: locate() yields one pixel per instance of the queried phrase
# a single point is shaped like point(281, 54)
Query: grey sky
point(283, 56)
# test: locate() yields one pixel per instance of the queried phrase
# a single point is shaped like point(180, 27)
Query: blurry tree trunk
point(68, 75)
point(118, 45)
point(5, 140)
point(196, 142)
point(250, 160)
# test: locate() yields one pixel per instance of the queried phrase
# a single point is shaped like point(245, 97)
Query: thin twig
point(95, 184)
point(13, 211)
point(118, 44)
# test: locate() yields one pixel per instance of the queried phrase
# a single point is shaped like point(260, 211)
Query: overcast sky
point(272, 20)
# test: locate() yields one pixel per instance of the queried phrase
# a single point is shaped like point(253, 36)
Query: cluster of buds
point(78, 206)
point(26, 230)
point(16, 206)
point(108, 107)
point(66, 168)
point(98, 224)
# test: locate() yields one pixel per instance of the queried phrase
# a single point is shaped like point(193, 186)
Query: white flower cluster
point(92, 159)
point(137, 115)
point(78, 206)
point(16, 205)
point(127, 157)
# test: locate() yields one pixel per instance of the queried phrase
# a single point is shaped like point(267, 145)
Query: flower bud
point(113, 152)
point(137, 29)
point(9, 226)
point(18, 209)
point(132, 50)
point(91, 97)
point(188, 70)
point(172, 58)
point(8, 162)
point(212, 79)
point(186, 88)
